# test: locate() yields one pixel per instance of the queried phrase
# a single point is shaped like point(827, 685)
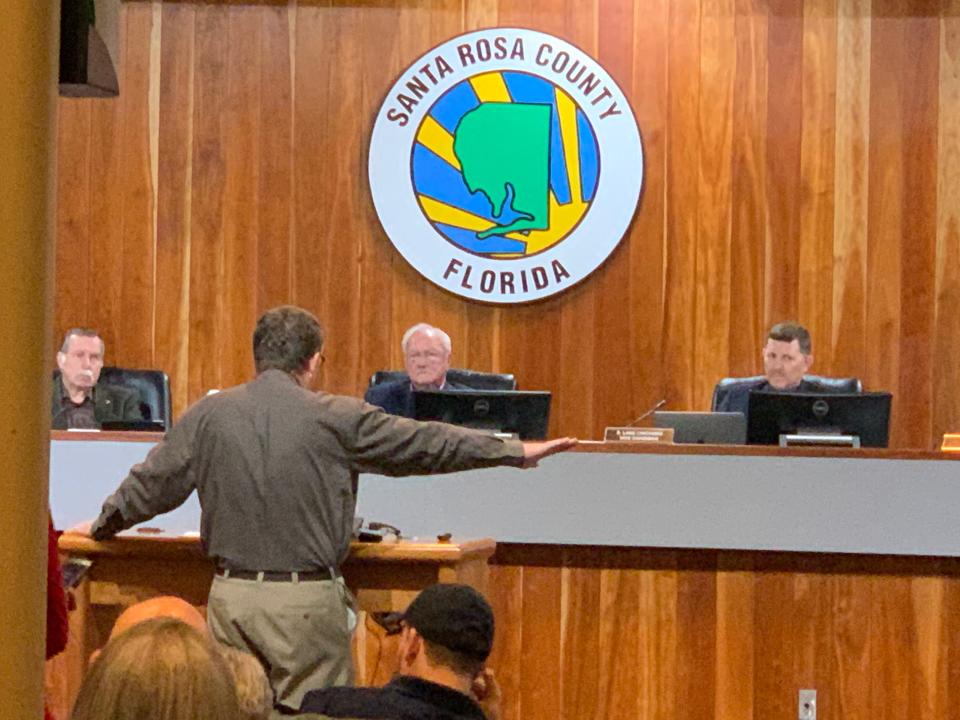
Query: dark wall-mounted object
point(89, 43)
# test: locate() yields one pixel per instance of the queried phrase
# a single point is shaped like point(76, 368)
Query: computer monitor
point(864, 415)
point(133, 425)
point(521, 412)
point(710, 428)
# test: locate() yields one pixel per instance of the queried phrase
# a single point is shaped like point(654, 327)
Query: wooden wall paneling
point(659, 693)
point(848, 645)
point(929, 677)
point(314, 187)
point(340, 178)
point(921, 71)
point(541, 684)
point(646, 237)
point(505, 594)
point(892, 649)
point(207, 291)
point(618, 658)
point(775, 644)
point(817, 155)
point(580, 648)
point(174, 198)
point(135, 312)
point(72, 258)
point(715, 173)
point(682, 202)
point(951, 613)
point(241, 147)
point(735, 664)
point(382, 63)
point(946, 344)
point(696, 658)
point(750, 214)
point(851, 184)
point(615, 317)
point(106, 202)
point(886, 205)
point(275, 238)
point(784, 182)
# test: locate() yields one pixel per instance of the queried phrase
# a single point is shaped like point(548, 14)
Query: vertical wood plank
point(715, 117)
point(275, 237)
point(750, 214)
point(919, 234)
point(540, 680)
point(646, 237)
point(851, 185)
point(683, 152)
point(817, 172)
point(946, 372)
point(241, 149)
point(784, 189)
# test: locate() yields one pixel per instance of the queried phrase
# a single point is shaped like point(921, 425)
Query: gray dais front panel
point(848, 505)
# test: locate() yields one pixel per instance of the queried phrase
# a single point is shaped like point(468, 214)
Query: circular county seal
point(505, 165)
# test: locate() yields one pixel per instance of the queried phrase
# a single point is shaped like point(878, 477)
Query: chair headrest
point(473, 379)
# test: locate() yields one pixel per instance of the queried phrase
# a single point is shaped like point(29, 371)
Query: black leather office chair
point(837, 385)
point(153, 386)
point(470, 378)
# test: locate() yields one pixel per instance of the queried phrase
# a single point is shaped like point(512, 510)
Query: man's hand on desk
point(82, 528)
point(534, 452)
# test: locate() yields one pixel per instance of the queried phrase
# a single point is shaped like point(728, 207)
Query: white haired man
point(78, 400)
point(426, 356)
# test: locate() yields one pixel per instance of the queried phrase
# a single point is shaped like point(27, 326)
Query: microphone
point(649, 412)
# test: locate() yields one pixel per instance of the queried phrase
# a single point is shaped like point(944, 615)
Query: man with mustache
point(78, 401)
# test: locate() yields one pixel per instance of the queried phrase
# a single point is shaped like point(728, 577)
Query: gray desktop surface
point(744, 502)
point(83, 473)
point(726, 501)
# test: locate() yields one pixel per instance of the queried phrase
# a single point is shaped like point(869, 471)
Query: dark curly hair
point(285, 338)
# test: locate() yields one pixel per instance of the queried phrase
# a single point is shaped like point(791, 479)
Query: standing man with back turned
point(275, 466)
point(79, 399)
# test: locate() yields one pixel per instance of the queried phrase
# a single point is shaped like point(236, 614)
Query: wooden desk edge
point(166, 546)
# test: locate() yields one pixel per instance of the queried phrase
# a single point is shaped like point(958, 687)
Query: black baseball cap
point(456, 617)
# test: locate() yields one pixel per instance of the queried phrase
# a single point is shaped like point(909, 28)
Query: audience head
point(162, 606)
point(80, 358)
point(787, 356)
point(288, 338)
point(158, 607)
point(254, 695)
point(426, 355)
point(447, 628)
point(159, 669)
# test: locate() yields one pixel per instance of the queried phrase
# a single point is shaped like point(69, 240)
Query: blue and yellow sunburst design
point(467, 216)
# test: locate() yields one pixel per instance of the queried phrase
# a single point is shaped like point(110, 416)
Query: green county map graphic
point(504, 152)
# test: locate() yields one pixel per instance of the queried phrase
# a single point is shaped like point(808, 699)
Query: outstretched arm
point(534, 452)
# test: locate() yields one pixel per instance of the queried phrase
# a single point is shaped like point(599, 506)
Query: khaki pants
point(300, 631)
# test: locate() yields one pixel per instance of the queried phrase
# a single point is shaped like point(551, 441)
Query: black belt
point(278, 576)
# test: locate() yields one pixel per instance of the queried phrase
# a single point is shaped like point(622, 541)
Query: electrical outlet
point(807, 706)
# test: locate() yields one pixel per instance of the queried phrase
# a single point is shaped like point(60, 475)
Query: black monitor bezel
point(532, 407)
point(772, 414)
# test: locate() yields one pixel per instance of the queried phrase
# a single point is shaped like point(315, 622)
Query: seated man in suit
point(78, 401)
point(446, 637)
point(787, 357)
point(426, 356)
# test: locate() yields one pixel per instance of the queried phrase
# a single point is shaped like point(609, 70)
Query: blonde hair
point(159, 669)
point(254, 694)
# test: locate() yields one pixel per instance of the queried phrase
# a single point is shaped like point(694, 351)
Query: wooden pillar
point(28, 82)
